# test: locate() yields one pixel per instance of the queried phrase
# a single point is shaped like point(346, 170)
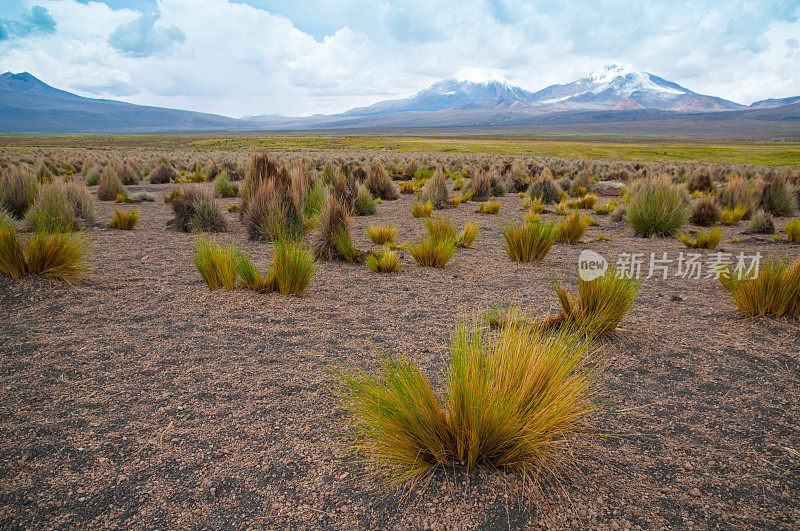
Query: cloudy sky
point(244, 57)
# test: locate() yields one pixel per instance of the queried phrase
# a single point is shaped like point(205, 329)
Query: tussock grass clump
point(735, 193)
point(124, 220)
point(587, 201)
point(12, 257)
point(421, 211)
point(271, 214)
point(793, 231)
point(511, 401)
point(605, 208)
point(762, 223)
point(433, 252)
point(440, 228)
point(381, 234)
point(489, 207)
point(778, 197)
point(334, 220)
point(467, 235)
point(529, 241)
point(365, 204)
point(408, 187)
point(343, 244)
point(701, 181)
point(249, 275)
point(436, 191)
point(703, 240)
point(223, 186)
point(293, 267)
point(705, 212)
point(53, 211)
point(732, 216)
point(18, 190)
point(572, 229)
point(92, 174)
point(163, 173)
point(386, 261)
point(775, 291)
point(216, 264)
point(546, 188)
point(657, 207)
point(60, 256)
point(198, 211)
point(175, 193)
point(380, 184)
point(109, 186)
point(600, 306)
point(312, 206)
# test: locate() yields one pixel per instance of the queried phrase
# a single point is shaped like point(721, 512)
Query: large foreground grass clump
point(657, 207)
point(511, 401)
point(59, 255)
point(775, 291)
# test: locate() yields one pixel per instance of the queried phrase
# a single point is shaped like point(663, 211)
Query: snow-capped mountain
point(470, 88)
point(618, 87)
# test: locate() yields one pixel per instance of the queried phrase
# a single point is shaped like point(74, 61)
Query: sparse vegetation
point(433, 252)
point(293, 267)
point(703, 240)
point(381, 234)
point(572, 229)
point(705, 212)
point(421, 211)
point(775, 291)
point(385, 261)
point(489, 207)
point(657, 207)
point(124, 220)
point(762, 223)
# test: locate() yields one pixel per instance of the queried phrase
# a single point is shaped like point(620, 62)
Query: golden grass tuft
point(703, 240)
point(489, 207)
point(12, 257)
point(386, 261)
point(440, 228)
point(216, 264)
point(467, 235)
point(511, 401)
point(53, 255)
point(381, 234)
point(775, 291)
point(529, 241)
point(732, 216)
point(572, 229)
point(601, 303)
point(433, 252)
point(124, 220)
point(793, 231)
point(421, 211)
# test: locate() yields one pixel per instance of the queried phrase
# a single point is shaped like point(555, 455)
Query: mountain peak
point(479, 76)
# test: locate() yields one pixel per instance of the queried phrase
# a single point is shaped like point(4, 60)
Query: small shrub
point(737, 192)
point(365, 203)
point(762, 223)
point(433, 252)
point(467, 235)
point(657, 207)
point(124, 220)
point(529, 241)
point(408, 187)
point(489, 207)
point(572, 229)
point(386, 261)
point(18, 190)
point(701, 181)
point(381, 234)
point(775, 291)
point(175, 193)
point(732, 216)
point(605, 208)
point(216, 264)
point(293, 267)
point(601, 303)
point(705, 212)
point(421, 211)
point(793, 231)
point(109, 186)
point(512, 401)
point(703, 240)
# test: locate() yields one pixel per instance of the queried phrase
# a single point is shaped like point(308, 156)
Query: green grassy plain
point(590, 147)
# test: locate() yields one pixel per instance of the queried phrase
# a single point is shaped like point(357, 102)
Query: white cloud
point(232, 58)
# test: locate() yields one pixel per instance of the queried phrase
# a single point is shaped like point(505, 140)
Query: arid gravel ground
point(139, 399)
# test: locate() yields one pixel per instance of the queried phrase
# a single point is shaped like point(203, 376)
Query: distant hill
point(615, 98)
point(28, 105)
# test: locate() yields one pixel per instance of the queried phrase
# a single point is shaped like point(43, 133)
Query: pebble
point(695, 492)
